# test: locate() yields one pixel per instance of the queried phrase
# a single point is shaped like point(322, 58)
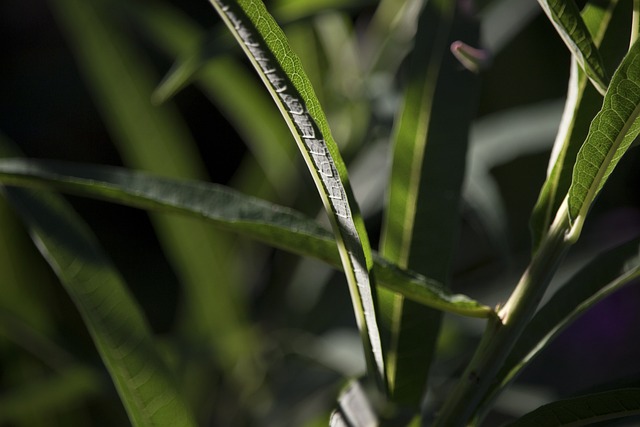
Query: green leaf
point(120, 331)
point(611, 133)
point(584, 410)
point(602, 276)
point(47, 395)
point(580, 108)
point(428, 166)
point(281, 71)
point(156, 139)
point(565, 17)
point(275, 225)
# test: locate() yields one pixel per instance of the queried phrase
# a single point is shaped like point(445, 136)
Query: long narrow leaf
point(422, 214)
point(280, 69)
point(584, 410)
point(116, 323)
point(580, 108)
point(611, 133)
point(272, 224)
point(565, 17)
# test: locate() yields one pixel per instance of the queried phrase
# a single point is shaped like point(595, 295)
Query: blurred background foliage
point(258, 336)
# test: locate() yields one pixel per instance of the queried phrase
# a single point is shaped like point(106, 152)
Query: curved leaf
point(116, 323)
point(275, 225)
point(611, 133)
point(584, 410)
point(281, 71)
point(565, 17)
point(580, 108)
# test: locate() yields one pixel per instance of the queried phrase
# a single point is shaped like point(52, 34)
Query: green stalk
point(502, 332)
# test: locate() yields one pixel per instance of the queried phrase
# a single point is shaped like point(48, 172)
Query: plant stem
point(502, 332)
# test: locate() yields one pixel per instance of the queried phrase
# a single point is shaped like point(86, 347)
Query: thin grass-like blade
point(280, 69)
point(565, 17)
point(602, 276)
point(275, 225)
point(422, 213)
point(117, 325)
point(580, 108)
point(584, 410)
point(611, 133)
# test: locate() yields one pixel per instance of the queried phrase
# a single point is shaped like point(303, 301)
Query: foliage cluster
point(420, 128)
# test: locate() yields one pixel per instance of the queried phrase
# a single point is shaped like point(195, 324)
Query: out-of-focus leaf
point(156, 139)
point(272, 224)
point(47, 396)
point(491, 145)
point(281, 71)
point(584, 410)
point(580, 108)
point(611, 133)
point(227, 83)
point(117, 325)
point(422, 214)
point(565, 17)
point(290, 10)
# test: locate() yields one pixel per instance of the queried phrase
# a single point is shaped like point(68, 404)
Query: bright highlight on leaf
point(611, 133)
point(272, 224)
point(281, 71)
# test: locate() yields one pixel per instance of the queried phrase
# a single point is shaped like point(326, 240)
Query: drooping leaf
point(428, 165)
point(584, 410)
point(281, 71)
point(117, 325)
point(565, 17)
point(611, 133)
point(275, 225)
point(580, 108)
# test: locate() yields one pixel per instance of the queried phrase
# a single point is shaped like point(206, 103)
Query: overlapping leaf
point(280, 69)
point(116, 323)
point(580, 108)
point(275, 225)
point(156, 139)
point(611, 133)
